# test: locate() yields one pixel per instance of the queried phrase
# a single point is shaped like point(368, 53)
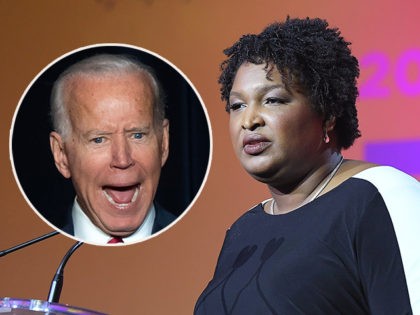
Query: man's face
point(115, 151)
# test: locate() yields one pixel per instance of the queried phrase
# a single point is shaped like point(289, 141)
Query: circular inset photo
point(111, 144)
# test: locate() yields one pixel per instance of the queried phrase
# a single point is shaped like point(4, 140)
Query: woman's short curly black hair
point(311, 56)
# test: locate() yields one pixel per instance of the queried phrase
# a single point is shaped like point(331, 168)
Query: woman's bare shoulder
point(348, 169)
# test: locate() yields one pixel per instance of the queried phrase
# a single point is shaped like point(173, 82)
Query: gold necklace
point(325, 181)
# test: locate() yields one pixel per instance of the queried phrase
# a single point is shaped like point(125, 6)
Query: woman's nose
point(252, 118)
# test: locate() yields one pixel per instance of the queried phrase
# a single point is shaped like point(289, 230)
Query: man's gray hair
point(97, 65)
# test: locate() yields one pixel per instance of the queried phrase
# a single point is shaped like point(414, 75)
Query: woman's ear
point(329, 123)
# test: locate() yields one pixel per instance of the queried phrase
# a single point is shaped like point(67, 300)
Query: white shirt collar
point(85, 230)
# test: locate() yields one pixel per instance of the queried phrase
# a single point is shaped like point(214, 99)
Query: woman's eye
point(273, 100)
point(235, 106)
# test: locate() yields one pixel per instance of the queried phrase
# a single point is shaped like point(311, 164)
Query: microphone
point(27, 243)
point(58, 279)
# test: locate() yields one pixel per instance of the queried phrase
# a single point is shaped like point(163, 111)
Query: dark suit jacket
point(162, 219)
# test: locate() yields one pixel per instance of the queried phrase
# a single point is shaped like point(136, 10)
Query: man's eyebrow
point(96, 132)
point(137, 129)
point(99, 132)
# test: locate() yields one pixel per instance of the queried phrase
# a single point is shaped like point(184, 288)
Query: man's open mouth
point(121, 197)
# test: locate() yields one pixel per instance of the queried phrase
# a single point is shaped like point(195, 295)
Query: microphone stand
point(35, 240)
point(57, 282)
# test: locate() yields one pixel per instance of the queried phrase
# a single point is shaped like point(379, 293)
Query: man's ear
point(59, 153)
point(165, 141)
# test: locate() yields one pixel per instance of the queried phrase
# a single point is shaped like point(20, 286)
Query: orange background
point(166, 274)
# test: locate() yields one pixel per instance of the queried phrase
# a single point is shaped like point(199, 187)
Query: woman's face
point(276, 135)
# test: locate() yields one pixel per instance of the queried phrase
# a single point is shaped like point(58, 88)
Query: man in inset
point(111, 138)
